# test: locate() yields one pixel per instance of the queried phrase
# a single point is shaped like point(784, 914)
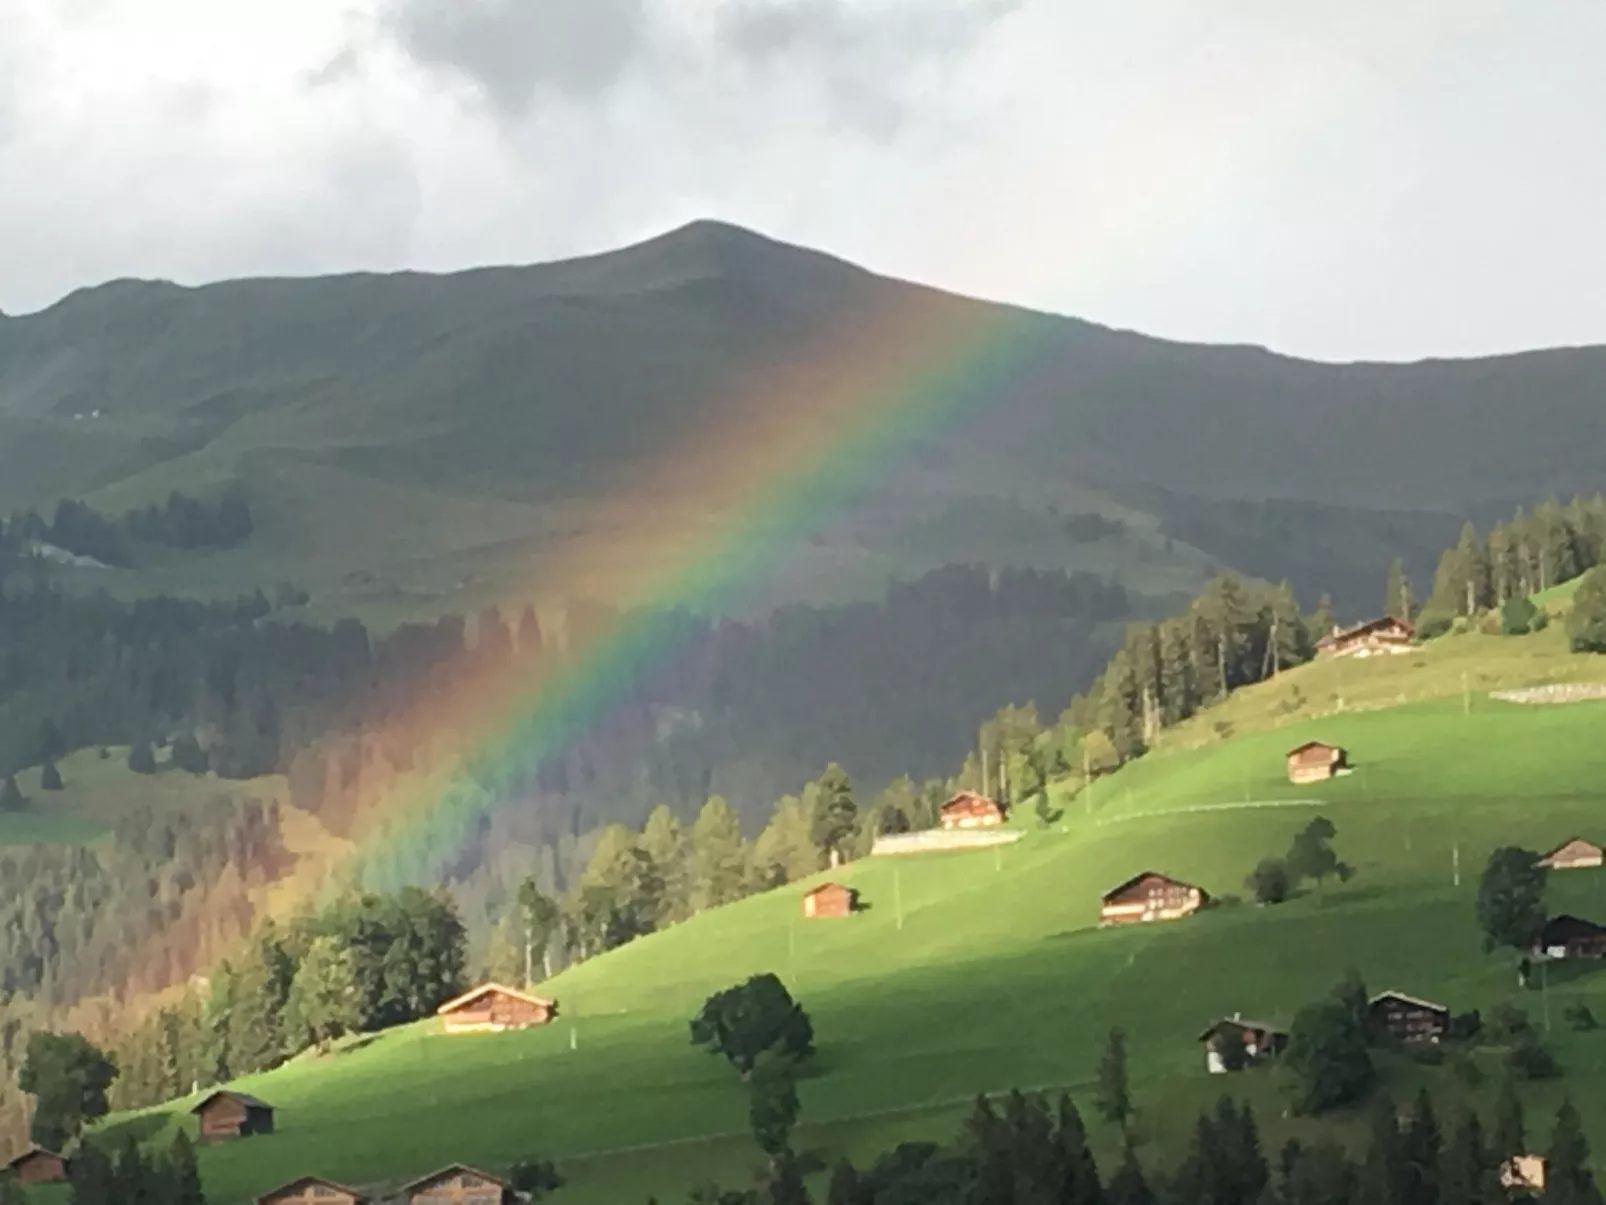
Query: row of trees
point(184, 522)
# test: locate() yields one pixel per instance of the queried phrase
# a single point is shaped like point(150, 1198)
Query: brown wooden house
point(830, 899)
point(1260, 1040)
point(38, 1166)
point(1150, 896)
point(1315, 761)
point(312, 1190)
point(1576, 854)
point(457, 1185)
point(970, 810)
point(1571, 937)
point(1386, 635)
point(226, 1114)
point(494, 1007)
point(1407, 1018)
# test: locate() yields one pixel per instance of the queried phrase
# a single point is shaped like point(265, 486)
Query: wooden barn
point(1150, 896)
point(1260, 1041)
point(226, 1114)
point(830, 899)
point(1407, 1018)
point(312, 1190)
point(1576, 854)
point(970, 810)
point(38, 1166)
point(1571, 937)
point(1315, 761)
point(494, 1007)
point(1386, 635)
point(457, 1185)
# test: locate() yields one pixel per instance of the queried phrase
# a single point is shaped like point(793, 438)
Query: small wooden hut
point(830, 899)
point(1567, 936)
point(1150, 896)
point(1315, 761)
point(1260, 1040)
point(494, 1007)
point(224, 1114)
point(970, 810)
point(38, 1166)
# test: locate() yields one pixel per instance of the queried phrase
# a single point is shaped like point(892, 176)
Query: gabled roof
point(971, 799)
point(824, 887)
point(305, 1181)
point(1566, 927)
point(1143, 874)
point(1241, 1023)
point(1361, 629)
point(1401, 996)
point(1314, 745)
point(454, 1169)
point(1571, 841)
point(486, 989)
point(34, 1152)
point(245, 1098)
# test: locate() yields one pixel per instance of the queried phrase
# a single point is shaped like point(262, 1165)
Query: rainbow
point(803, 447)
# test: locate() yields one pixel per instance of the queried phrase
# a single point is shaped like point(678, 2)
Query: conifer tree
point(719, 856)
point(50, 777)
point(1398, 600)
point(1510, 1137)
point(11, 796)
point(141, 760)
point(183, 1174)
point(664, 841)
point(1420, 1151)
point(1567, 1177)
point(539, 919)
point(1114, 1092)
point(836, 816)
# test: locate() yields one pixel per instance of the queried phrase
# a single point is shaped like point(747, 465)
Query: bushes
point(1586, 626)
point(1518, 616)
point(1269, 882)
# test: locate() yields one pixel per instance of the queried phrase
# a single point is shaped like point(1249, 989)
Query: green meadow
point(977, 972)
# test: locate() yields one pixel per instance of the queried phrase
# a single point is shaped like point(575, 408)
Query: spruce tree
point(836, 816)
point(664, 841)
point(1398, 601)
point(1510, 1137)
point(50, 777)
point(183, 1174)
point(719, 856)
point(1382, 1174)
point(11, 796)
point(141, 760)
point(1567, 1177)
point(1420, 1152)
point(1114, 1093)
point(1128, 1186)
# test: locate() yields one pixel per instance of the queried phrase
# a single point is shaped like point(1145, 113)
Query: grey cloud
point(513, 50)
point(345, 65)
point(856, 53)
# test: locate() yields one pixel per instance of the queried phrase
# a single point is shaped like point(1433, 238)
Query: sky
point(1339, 179)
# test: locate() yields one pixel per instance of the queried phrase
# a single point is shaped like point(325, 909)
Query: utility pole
point(1466, 695)
point(1087, 777)
point(1455, 861)
point(897, 896)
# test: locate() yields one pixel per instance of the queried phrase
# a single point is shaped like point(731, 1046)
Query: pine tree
point(836, 816)
point(1468, 1172)
point(1382, 1174)
point(1128, 1186)
point(1510, 1137)
point(664, 841)
point(719, 856)
point(1114, 1093)
point(1567, 1177)
point(1178, 699)
point(785, 851)
point(529, 634)
point(183, 1174)
point(50, 777)
point(1420, 1153)
point(140, 758)
point(539, 920)
point(1323, 621)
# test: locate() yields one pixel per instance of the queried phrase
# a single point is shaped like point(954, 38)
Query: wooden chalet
point(1407, 1018)
point(1316, 761)
point(457, 1185)
point(1523, 1174)
point(1576, 854)
point(312, 1190)
point(970, 810)
point(494, 1007)
point(830, 899)
point(38, 1166)
point(1386, 635)
point(1150, 896)
point(1260, 1040)
point(1571, 937)
point(224, 1114)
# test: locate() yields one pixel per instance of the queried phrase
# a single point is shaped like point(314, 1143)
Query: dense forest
point(184, 522)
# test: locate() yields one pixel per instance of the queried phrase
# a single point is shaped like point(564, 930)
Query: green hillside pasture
point(982, 971)
point(96, 792)
point(1559, 599)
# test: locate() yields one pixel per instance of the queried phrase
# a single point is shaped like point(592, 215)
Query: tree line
point(184, 522)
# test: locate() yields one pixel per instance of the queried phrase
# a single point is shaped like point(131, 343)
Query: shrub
point(1465, 1068)
point(1530, 1060)
point(1579, 1017)
point(1433, 623)
point(1466, 1026)
point(535, 1178)
point(1427, 1054)
point(1517, 616)
point(1269, 882)
point(1509, 1022)
point(50, 777)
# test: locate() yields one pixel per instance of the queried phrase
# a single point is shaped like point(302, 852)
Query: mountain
point(403, 437)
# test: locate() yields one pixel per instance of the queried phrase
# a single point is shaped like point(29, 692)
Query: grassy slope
point(997, 975)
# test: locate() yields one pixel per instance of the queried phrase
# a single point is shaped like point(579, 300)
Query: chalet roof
point(1313, 745)
point(1143, 874)
point(454, 1169)
point(1403, 998)
point(305, 1181)
point(1563, 928)
point(824, 887)
point(486, 989)
point(1241, 1023)
point(245, 1098)
point(34, 1152)
point(971, 799)
point(1361, 629)
point(1569, 843)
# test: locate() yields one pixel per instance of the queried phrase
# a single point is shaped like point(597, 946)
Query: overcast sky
point(1334, 178)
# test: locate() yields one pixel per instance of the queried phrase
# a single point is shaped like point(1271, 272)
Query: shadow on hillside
point(361, 1043)
point(141, 1129)
point(1565, 971)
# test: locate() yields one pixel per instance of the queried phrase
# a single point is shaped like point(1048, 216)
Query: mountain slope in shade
point(400, 435)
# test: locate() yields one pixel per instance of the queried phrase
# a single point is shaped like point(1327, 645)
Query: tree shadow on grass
point(142, 1129)
point(1565, 971)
